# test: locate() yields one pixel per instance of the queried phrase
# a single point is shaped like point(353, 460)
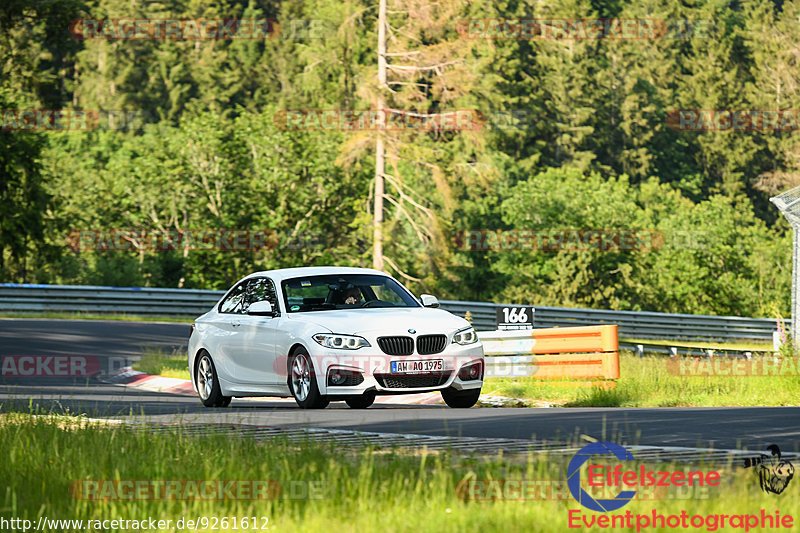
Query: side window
point(261, 289)
point(234, 303)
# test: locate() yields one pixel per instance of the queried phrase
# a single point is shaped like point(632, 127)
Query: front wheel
point(303, 382)
point(460, 399)
point(361, 402)
point(208, 383)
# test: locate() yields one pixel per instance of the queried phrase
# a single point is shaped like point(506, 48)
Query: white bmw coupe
point(323, 334)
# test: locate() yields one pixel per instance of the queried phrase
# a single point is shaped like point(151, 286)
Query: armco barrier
point(95, 299)
point(587, 352)
point(632, 324)
point(191, 302)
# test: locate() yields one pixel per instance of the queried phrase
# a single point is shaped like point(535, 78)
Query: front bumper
point(376, 376)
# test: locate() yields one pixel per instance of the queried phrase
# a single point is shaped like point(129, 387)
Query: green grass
point(362, 489)
point(158, 362)
point(105, 316)
point(645, 382)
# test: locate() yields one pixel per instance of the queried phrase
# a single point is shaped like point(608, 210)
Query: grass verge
point(105, 316)
point(645, 382)
point(357, 490)
point(160, 363)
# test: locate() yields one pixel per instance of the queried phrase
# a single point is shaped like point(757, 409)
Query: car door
point(225, 334)
point(256, 346)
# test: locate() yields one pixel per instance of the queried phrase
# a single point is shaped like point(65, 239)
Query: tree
point(23, 201)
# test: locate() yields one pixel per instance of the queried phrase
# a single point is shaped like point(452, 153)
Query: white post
point(795, 329)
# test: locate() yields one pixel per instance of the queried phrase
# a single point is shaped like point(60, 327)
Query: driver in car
point(352, 296)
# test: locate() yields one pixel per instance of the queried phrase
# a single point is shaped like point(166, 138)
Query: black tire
point(460, 399)
point(205, 376)
point(361, 402)
point(303, 381)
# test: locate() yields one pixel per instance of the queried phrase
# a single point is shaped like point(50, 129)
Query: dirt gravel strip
point(128, 377)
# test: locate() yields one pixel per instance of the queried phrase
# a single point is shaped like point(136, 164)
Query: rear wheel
point(460, 399)
point(303, 382)
point(208, 383)
point(361, 402)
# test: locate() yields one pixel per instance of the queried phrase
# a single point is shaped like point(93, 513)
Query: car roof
point(287, 273)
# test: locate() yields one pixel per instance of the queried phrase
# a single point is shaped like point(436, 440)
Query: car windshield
point(344, 291)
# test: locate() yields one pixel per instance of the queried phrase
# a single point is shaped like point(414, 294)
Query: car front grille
point(412, 382)
point(431, 344)
point(396, 345)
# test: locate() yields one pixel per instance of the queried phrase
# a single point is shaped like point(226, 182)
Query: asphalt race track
point(114, 342)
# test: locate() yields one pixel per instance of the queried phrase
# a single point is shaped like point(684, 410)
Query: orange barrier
point(573, 353)
point(576, 340)
point(577, 366)
point(564, 353)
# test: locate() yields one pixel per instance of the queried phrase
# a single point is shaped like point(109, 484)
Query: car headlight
point(465, 336)
point(342, 342)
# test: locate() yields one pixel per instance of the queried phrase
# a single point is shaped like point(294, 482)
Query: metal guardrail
point(632, 324)
point(193, 302)
point(95, 299)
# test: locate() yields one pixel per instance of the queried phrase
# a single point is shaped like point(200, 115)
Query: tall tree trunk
point(380, 162)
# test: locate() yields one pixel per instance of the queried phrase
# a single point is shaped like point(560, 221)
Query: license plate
point(417, 367)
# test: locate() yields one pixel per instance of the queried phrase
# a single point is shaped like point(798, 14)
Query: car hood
point(385, 321)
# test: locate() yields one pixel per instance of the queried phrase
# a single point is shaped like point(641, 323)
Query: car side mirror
point(262, 308)
point(429, 300)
